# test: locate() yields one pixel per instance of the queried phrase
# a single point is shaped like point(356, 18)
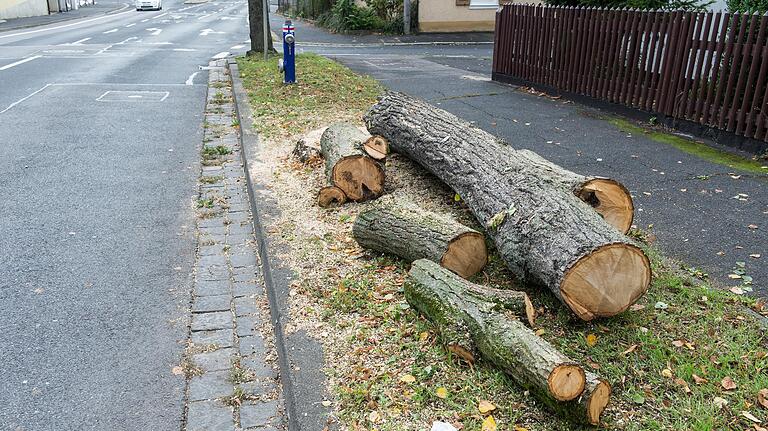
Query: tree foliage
point(639, 4)
point(748, 6)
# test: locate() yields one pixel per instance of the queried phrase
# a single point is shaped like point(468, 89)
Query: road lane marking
point(130, 25)
point(22, 61)
point(155, 31)
point(24, 98)
point(184, 49)
point(221, 55)
point(190, 80)
point(162, 14)
point(77, 42)
point(63, 26)
point(110, 31)
point(207, 31)
point(145, 20)
point(237, 47)
point(136, 95)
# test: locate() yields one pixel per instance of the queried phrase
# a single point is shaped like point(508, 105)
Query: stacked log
point(473, 320)
point(349, 170)
point(544, 233)
point(397, 226)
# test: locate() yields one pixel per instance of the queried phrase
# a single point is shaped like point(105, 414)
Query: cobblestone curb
point(230, 360)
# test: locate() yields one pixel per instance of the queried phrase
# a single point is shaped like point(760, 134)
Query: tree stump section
point(376, 147)
point(544, 233)
point(305, 153)
point(400, 227)
point(357, 175)
point(331, 196)
point(472, 321)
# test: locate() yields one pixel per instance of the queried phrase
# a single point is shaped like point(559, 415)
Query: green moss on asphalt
point(700, 150)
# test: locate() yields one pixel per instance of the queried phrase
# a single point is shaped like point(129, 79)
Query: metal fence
point(708, 68)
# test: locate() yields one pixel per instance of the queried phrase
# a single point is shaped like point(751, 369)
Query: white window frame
point(483, 4)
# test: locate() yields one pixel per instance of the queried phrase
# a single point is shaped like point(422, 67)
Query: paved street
point(691, 206)
point(101, 125)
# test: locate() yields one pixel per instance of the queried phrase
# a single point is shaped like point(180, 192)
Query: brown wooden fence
point(707, 68)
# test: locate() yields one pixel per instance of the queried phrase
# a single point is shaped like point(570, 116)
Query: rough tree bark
point(472, 320)
point(397, 226)
point(256, 21)
point(346, 166)
point(544, 233)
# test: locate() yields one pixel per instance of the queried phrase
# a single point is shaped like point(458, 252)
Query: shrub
point(748, 6)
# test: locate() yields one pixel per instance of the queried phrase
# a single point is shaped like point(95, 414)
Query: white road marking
point(77, 42)
point(8, 66)
point(145, 20)
point(162, 14)
point(24, 98)
point(237, 47)
point(160, 43)
point(208, 31)
point(133, 96)
point(190, 80)
point(204, 16)
point(127, 40)
point(220, 55)
point(184, 49)
point(110, 31)
point(130, 25)
point(113, 84)
point(155, 31)
point(63, 26)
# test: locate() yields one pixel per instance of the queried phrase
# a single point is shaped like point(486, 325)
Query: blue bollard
point(289, 53)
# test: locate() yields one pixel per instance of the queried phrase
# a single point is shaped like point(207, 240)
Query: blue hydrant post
point(289, 52)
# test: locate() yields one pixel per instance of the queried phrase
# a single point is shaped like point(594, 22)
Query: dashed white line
point(63, 26)
point(77, 42)
point(221, 55)
point(162, 14)
point(145, 20)
point(110, 31)
point(24, 98)
point(155, 31)
point(130, 25)
point(191, 79)
point(184, 49)
point(22, 61)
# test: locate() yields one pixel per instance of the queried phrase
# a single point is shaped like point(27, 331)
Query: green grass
point(323, 87)
point(691, 147)
point(208, 179)
point(211, 152)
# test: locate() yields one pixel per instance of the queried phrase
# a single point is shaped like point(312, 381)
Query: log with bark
point(473, 320)
point(400, 227)
point(347, 167)
point(544, 233)
point(305, 153)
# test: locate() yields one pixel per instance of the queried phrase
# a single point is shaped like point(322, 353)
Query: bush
point(748, 6)
point(346, 15)
point(700, 5)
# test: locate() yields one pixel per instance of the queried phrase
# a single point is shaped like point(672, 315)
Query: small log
point(376, 147)
point(400, 227)
point(545, 234)
point(305, 153)
point(346, 166)
point(472, 322)
point(331, 196)
point(608, 197)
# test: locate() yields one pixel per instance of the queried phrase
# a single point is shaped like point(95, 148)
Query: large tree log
point(544, 233)
point(394, 225)
point(471, 321)
point(346, 166)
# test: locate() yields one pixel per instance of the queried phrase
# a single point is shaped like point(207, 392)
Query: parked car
point(149, 4)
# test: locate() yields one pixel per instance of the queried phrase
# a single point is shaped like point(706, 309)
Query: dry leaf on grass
point(720, 402)
point(486, 406)
point(728, 384)
point(762, 397)
point(441, 393)
point(666, 372)
point(407, 378)
point(630, 349)
point(591, 340)
point(489, 424)
point(699, 380)
point(751, 417)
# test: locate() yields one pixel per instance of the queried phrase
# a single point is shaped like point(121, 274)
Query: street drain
point(133, 96)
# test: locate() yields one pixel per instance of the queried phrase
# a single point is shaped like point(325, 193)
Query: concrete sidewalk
point(100, 8)
point(706, 214)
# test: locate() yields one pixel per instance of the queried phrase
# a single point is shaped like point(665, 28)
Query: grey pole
point(407, 16)
point(265, 15)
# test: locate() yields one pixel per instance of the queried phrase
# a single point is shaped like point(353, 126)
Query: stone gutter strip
point(231, 381)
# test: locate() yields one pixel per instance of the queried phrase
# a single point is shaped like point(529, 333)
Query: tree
point(256, 14)
point(748, 6)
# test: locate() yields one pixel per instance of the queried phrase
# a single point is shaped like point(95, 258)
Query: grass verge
point(666, 359)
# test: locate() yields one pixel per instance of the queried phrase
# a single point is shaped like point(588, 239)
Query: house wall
point(445, 16)
point(20, 8)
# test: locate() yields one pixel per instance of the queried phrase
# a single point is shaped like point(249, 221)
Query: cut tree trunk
point(376, 147)
point(471, 322)
point(544, 233)
point(331, 196)
point(397, 226)
point(346, 166)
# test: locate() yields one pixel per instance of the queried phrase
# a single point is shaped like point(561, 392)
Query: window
point(484, 4)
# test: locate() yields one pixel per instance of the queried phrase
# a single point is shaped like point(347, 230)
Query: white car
point(149, 4)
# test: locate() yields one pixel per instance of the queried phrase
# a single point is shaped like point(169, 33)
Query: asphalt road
point(101, 126)
point(706, 215)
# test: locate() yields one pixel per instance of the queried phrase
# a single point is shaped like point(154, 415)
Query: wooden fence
point(707, 68)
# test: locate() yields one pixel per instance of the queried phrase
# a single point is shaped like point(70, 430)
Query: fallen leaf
point(486, 406)
point(630, 349)
point(699, 380)
point(517, 428)
point(489, 424)
point(326, 403)
point(591, 340)
point(755, 256)
point(751, 417)
point(661, 305)
point(759, 428)
point(441, 392)
point(737, 290)
point(638, 398)
point(762, 398)
point(720, 402)
point(177, 371)
point(374, 416)
point(752, 226)
point(684, 385)
point(734, 276)
point(540, 332)
point(442, 426)
point(407, 378)
point(678, 343)
point(728, 384)
point(636, 307)
point(666, 372)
